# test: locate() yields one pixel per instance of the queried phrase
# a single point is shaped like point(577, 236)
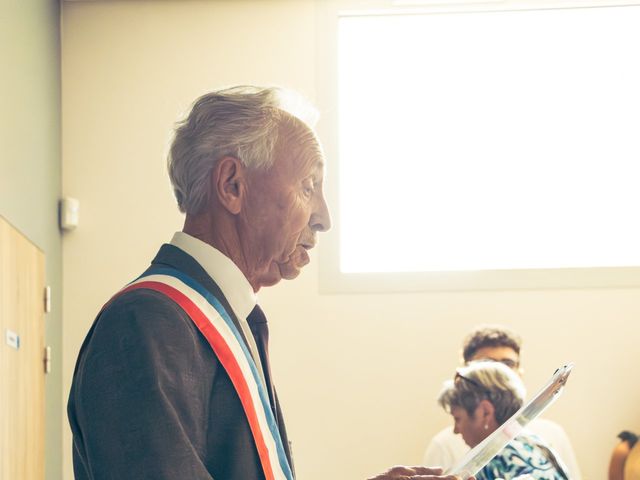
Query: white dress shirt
point(232, 282)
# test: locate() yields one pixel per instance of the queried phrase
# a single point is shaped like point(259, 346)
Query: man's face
point(506, 355)
point(285, 208)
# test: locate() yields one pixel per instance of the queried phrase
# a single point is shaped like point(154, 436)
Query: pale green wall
point(30, 165)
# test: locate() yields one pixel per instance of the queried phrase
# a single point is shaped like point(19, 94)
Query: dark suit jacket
point(150, 400)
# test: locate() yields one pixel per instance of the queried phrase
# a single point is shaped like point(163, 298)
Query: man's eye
point(308, 190)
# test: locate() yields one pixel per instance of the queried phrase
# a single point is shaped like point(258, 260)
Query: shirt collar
point(234, 285)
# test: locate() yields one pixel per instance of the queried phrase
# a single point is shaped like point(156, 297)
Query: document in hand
point(482, 453)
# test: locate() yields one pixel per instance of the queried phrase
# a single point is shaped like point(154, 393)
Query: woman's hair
point(482, 380)
point(243, 122)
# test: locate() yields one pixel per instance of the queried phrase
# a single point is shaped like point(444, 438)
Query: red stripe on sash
point(226, 357)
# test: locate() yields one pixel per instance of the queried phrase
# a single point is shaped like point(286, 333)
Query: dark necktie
point(260, 329)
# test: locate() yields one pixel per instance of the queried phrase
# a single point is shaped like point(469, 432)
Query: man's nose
point(321, 218)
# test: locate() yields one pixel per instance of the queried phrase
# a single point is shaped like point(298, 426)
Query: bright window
point(493, 140)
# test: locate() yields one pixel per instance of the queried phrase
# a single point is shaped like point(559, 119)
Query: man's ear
point(228, 181)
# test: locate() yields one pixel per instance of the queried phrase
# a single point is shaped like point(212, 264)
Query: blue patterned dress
point(526, 454)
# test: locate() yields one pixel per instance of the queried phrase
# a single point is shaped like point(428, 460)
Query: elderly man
point(173, 379)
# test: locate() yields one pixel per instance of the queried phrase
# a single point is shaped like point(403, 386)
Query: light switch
point(12, 339)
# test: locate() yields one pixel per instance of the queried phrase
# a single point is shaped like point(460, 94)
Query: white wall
point(357, 374)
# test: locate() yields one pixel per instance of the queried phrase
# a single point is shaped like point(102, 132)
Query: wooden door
point(21, 357)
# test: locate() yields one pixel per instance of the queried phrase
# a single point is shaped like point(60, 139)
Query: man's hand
point(414, 473)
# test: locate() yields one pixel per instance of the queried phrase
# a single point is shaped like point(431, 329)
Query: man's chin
point(289, 272)
point(291, 268)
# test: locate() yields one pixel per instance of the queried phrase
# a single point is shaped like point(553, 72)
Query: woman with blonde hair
point(481, 397)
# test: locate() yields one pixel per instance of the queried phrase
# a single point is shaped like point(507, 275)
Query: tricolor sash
point(223, 336)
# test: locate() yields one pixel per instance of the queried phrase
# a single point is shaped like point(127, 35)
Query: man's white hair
point(243, 122)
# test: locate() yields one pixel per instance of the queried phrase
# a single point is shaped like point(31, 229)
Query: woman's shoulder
point(523, 455)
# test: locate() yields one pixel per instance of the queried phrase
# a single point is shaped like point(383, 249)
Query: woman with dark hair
point(481, 397)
